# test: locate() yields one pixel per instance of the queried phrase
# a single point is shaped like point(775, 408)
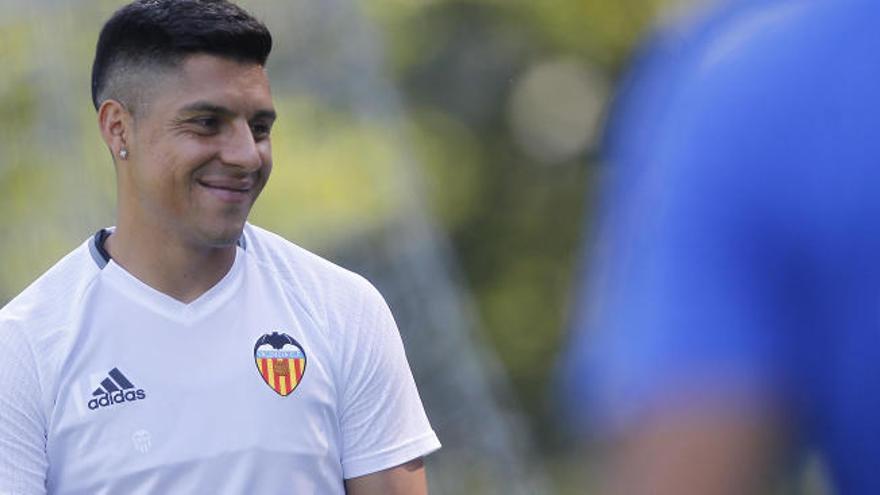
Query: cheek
point(266, 156)
point(164, 171)
point(168, 171)
point(265, 149)
point(183, 156)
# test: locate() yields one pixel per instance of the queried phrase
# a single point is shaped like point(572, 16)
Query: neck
point(167, 264)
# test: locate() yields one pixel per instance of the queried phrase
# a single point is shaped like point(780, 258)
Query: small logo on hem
point(142, 441)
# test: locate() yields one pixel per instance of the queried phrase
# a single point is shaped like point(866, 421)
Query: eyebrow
point(204, 106)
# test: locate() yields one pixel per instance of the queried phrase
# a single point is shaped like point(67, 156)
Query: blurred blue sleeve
point(738, 163)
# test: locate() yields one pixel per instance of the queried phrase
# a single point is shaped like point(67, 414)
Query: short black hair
point(159, 34)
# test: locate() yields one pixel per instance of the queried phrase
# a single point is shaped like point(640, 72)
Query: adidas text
point(117, 398)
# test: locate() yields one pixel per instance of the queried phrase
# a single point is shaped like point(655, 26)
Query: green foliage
point(516, 224)
point(331, 175)
point(451, 157)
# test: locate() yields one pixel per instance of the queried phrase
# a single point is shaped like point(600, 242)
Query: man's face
point(199, 153)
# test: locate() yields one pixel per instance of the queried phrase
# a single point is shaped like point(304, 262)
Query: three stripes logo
point(281, 362)
point(115, 389)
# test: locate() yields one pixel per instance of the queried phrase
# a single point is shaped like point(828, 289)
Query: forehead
point(239, 86)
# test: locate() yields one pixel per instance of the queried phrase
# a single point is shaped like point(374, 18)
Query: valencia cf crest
point(281, 362)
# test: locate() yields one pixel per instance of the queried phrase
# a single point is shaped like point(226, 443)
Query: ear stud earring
point(123, 153)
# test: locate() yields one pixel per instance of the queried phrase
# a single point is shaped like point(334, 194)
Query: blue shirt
point(738, 257)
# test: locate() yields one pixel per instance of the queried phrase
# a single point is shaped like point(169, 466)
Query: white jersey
point(288, 376)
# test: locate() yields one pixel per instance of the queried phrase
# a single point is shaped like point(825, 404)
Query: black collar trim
point(102, 256)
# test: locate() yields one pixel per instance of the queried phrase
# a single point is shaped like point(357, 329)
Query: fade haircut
point(147, 37)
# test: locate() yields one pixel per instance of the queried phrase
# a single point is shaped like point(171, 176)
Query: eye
point(261, 130)
point(206, 123)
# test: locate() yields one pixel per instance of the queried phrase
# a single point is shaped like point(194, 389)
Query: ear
point(115, 123)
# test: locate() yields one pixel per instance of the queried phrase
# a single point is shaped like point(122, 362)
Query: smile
point(228, 190)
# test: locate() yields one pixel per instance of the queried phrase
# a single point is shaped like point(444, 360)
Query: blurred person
point(731, 321)
point(185, 350)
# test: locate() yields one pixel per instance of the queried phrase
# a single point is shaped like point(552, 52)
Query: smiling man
point(185, 350)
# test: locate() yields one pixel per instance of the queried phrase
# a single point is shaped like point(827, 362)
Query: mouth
point(227, 189)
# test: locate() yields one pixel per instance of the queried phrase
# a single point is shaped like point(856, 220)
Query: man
point(736, 294)
point(185, 350)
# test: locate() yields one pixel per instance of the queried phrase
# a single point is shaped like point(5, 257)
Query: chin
point(227, 235)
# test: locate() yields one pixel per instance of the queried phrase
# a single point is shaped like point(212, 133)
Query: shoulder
point(747, 89)
point(764, 57)
point(50, 299)
point(760, 32)
point(750, 47)
point(286, 259)
point(35, 326)
point(309, 276)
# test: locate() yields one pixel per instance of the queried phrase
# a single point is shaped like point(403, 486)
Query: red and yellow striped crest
point(281, 362)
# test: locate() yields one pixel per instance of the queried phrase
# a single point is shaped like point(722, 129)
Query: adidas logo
point(115, 389)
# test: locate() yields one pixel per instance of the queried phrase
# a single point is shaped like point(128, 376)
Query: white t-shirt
point(287, 376)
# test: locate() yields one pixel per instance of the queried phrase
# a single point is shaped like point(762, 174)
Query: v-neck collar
point(158, 301)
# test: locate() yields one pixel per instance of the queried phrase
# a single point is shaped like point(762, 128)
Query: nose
point(240, 149)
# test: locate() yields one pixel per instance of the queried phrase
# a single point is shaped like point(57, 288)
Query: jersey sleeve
point(23, 459)
point(382, 421)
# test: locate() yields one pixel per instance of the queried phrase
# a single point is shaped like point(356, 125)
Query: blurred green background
point(447, 149)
